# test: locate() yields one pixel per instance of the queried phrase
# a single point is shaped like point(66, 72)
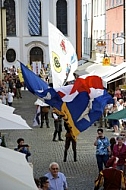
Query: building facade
point(93, 28)
point(114, 29)
point(28, 47)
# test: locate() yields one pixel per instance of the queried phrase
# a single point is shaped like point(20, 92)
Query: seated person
point(110, 178)
point(23, 148)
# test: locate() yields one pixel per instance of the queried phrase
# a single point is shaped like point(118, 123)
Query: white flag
point(63, 58)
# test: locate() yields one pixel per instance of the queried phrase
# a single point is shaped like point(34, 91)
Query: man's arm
point(96, 141)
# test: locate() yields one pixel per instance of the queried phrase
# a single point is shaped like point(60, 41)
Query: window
point(117, 2)
point(89, 11)
point(61, 16)
point(112, 3)
point(95, 8)
point(10, 17)
point(121, 2)
point(113, 44)
point(117, 46)
point(122, 46)
point(10, 55)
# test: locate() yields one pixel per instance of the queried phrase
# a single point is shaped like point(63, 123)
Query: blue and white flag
point(33, 82)
point(80, 104)
point(34, 17)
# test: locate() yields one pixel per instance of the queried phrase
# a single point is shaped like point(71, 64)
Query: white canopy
point(107, 73)
point(9, 120)
point(99, 69)
point(115, 75)
point(15, 172)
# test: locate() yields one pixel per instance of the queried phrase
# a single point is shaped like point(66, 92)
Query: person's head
point(37, 182)
point(112, 141)
point(123, 134)
point(100, 133)
point(120, 140)
point(20, 141)
point(44, 182)
point(121, 101)
point(54, 168)
point(124, 123)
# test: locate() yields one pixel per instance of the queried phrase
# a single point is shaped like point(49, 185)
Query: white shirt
point(10, 96)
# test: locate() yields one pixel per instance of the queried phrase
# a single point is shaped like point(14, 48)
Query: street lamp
point(6, 43)
point(3, 40)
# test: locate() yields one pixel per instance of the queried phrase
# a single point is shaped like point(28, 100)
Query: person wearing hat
point(119, 150)
point(110, 178)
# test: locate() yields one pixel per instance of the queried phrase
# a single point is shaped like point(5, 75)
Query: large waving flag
point(33, 82)
point(63, 58)
point(80, 104)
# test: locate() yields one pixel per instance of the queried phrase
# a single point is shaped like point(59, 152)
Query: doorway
point(36, 55)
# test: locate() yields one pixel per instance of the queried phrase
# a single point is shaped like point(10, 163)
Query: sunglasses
point(54, 168)
point(122, 135)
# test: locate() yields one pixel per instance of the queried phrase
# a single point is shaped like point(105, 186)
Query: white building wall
point(98, 28)
point(23, 42)
point(98, 25)
point(86, 28)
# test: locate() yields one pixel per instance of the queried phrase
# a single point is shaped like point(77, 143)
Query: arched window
point(10, 17)
point(61, 16)
point(36, 54)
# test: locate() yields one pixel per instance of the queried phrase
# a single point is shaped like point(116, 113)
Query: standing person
point(57, 180)
point(68, 140)
point(119, 151)
point(10, 98)
point(58, 126)
point(44, 115)
point(123, 134)
point(18, 88)
point(3, 97)
point(23, 148)
point(102, 149)
point(112, 143)
point(110, 178)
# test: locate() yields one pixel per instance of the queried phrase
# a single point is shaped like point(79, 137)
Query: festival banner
point(63, 58)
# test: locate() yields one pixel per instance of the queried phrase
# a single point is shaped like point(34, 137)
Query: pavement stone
point(81, 174)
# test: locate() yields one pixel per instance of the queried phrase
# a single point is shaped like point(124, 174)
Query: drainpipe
point(124, 27)
point(91, 29)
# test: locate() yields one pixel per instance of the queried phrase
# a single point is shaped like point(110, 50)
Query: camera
point(23, 145)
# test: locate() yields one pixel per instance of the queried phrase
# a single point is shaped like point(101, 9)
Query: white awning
point(99, 69)
point(115, 75)
point(116, 68)
point(107, 73)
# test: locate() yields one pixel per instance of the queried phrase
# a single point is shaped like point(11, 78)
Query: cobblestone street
point(81, 174)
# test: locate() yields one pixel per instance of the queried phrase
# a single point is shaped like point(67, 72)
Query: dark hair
point(100, 130)
point(37, 182)
point(43, 180)
point(112, 143)
point(19, 140)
